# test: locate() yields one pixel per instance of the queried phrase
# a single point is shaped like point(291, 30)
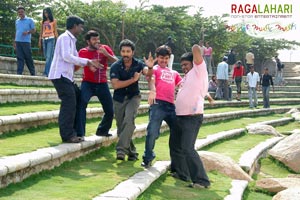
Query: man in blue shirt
point(24, 28)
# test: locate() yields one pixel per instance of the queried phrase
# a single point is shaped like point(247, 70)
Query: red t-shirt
point(99, 76)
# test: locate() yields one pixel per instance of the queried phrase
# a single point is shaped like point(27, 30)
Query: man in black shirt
point(265, 82)
point(124, 75)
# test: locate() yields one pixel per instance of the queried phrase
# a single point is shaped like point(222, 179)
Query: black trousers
point(23, 50)
point(68, 93)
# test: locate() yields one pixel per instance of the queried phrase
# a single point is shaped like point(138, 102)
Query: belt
point(46, 38)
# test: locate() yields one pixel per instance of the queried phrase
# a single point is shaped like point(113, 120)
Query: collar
point(71, 35)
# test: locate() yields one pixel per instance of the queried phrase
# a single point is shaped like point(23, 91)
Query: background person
point(265, 81)
point(253, 81)
point(237, 76)
point(47, 37)
point(22, 43)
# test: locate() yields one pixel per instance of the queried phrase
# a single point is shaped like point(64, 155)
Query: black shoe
point(73, 139)
point(146, 164)
point(120, 156)
point(99, 133)
point(133, 157)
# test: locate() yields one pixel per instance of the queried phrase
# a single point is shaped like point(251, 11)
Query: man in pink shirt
point(186, 163)
point(161, 100)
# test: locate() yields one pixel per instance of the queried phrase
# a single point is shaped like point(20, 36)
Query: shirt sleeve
point(68, 51)
point(114, 72)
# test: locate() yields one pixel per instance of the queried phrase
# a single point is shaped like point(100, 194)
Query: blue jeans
point(48, 49)
point(265, 91)
point(24, 54)
point(158, 112)
point(100, 90)
point(252, 97)
point(185, 159)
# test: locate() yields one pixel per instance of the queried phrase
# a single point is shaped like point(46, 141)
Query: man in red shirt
point(95, 84)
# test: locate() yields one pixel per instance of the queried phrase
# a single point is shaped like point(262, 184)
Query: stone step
point(28, 120)
point(34, 95)
point(16, 168)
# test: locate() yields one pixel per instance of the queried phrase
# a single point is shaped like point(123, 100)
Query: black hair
point(90, 34)
point(163, 50)
point(127, 43)
point(20, 8)
point(73, 20)
point(50, 15)
point(188, 56)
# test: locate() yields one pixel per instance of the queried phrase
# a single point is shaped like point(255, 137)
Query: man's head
point(186, 62)
point(75, 25)
point(163, 54)
point(92, 39)
point(251, 68)
point(127, 48)
point(21, 12)
point(266, 70)
point(225, 58)
point(201, 43)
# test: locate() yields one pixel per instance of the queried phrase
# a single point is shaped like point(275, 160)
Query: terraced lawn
point(98, 172)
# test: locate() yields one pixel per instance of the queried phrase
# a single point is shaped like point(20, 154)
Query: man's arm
point(117, 84)
point(152, 93)
point(198, 59)
point(111, 58)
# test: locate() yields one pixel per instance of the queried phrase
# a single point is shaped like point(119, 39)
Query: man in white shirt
point(62, 76)
point(253, 82)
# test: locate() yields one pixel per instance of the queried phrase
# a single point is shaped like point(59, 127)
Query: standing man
point(94, 83)
point(249, 60)
point(61, 74)
point(237, 76)
point(22, 43)
point(253, 81)
point(161, 100)
point(124, 75)
point(265, 82)
point(222, 77)
point(231, 60)
point(189, 113)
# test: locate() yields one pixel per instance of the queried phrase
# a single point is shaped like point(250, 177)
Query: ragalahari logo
point(262, 20)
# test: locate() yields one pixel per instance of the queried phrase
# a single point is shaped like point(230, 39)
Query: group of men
point(183, 116)
point(253, 80)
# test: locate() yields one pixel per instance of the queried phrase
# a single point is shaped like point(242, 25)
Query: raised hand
point(150, 61)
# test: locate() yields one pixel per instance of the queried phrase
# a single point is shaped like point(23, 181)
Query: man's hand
point(94, 63)
point(136, 76)
point(103, 51)
point(150, 61)
point(151, 97)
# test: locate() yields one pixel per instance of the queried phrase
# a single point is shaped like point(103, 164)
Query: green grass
point(288, 127)
point(166, 187)
point(238, 145)
point(15, 86)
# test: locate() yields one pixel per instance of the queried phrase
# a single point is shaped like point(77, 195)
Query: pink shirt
point(207, 51)
point(192, 91)
point(165, 82)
